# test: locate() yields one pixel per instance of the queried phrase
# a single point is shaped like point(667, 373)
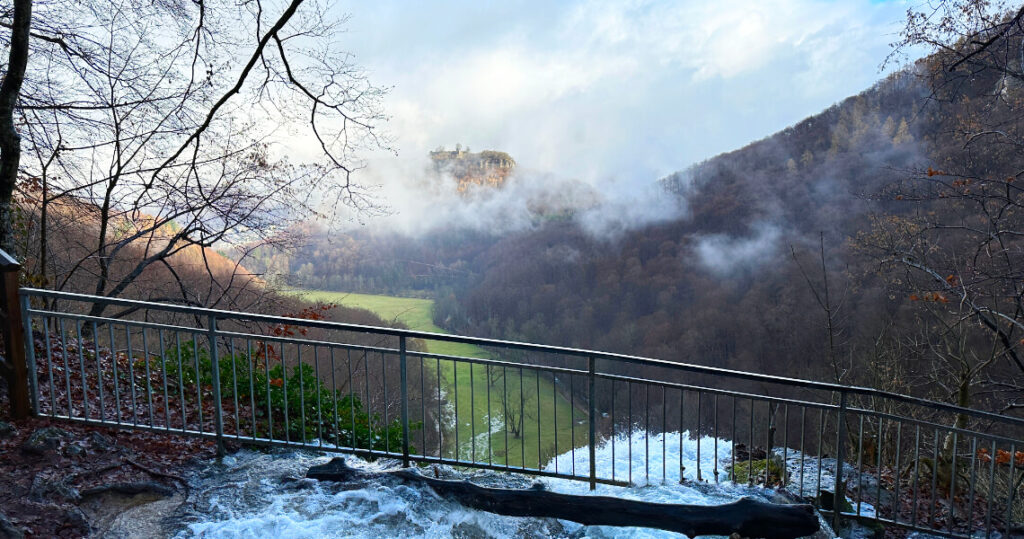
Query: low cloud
point(414, 199)
point(725, 254)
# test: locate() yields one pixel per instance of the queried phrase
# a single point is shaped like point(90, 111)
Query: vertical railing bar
point(49, 366)
point(335, 400)
point(149, 376)
point(767, 442)
point(592, 440)
point(181, 382)
point(572, 423)
point(284, 393)
point(99, 367)
point(319, 397)
point(30, 354)
point(163, 369)
point(67, 369)
point(522, 420)
point(540, 457)
point(472, 415)
point(131, 374)
point(878, 470)
point(934, 496)
point(199, 379)
point(917, 474)
point(629, 417)
point(714, 469)
point(81, 365)
point(682, 439)
point(251, 361)
point(487, 388)
point(896, 472)
point(840, 486)
point(750, 447)
point(455, 389)
point(991, 488)
point(972, 480)
point(554, 415)
point(1011, 478)
point(386, 403)
point(732, 468)
point(504, 410)
point(440, 414)
point(613, 433)
point(803, 431)
point(952, 483)
point(302, 394)
point(700, 395)
point(785, 444)
point(218, 413)
point(821, 437)
point(664, 435)
point(366, 380)
point(351, 397)
point(423, 408)
point(266, 366)
point(404, 380)
point(234, 383)
point(860, 464)
point(647, 433)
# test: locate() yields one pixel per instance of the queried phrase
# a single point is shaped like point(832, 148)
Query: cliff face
point(487, 168)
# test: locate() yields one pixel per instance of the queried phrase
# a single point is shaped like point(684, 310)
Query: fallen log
point(130, 489)
point(747, 517)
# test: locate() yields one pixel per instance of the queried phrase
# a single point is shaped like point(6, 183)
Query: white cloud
point(614, 90)
point(724, 254)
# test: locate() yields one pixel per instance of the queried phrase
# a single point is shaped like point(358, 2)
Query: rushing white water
point(265, 495)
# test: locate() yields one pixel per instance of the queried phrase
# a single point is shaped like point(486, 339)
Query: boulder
point(44, 439)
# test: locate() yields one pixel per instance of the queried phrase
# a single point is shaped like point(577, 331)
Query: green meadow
point(478, 393)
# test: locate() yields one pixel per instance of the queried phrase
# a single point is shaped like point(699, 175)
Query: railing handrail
point(533, 347)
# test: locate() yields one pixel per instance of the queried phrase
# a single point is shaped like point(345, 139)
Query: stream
point(265, 494)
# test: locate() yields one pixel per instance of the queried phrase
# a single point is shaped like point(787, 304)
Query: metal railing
point(539, 410)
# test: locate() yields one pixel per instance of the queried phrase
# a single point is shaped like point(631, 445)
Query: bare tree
point(959, 249)
point(154, 132)
point(10, 142)
point(514, 393)
point(831, 309)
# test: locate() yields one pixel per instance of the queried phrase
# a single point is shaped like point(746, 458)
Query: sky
point(614, 94)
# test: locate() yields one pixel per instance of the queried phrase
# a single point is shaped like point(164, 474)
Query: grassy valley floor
point(537, 442)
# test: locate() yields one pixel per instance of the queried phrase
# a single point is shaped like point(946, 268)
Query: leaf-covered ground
point(53, 471)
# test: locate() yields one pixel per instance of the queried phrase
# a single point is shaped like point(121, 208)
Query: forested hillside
point(874, 243)
point(718, 286)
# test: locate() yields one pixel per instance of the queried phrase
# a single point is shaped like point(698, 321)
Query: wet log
point(130, 489)
point(747, 517)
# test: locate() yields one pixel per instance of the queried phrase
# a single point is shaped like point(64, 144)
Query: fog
point(413, 199)
point(725, 254)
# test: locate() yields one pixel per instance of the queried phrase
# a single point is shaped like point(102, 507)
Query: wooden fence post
point(15, 367)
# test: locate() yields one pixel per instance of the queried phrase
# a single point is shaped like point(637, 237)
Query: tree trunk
point(10, 141)
point(747, 517)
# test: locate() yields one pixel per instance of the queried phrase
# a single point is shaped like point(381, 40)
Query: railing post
point(218, 414)
point(839, 497)
point(14, 339)
point(30, 355)
point(405, 399)
point(593, 422)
